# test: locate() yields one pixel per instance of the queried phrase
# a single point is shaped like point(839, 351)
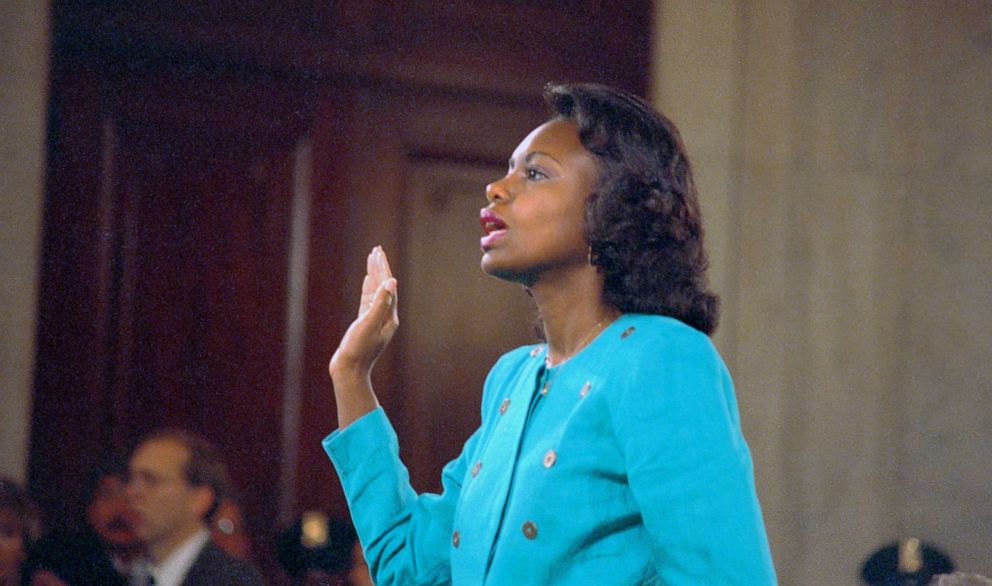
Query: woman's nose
point(496, 191)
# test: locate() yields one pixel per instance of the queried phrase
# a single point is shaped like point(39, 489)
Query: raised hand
point(351, 366)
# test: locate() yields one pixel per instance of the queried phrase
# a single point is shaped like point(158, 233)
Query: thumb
point(384, 303)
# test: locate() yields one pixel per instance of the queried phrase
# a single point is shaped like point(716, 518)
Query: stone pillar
point(24, 50)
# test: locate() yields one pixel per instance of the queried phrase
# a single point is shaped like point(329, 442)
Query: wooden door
point(165, 281)
point(413, 180)
point(458, 320)
point(216, 177)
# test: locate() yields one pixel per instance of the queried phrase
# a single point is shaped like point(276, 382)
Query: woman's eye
point(534, 174)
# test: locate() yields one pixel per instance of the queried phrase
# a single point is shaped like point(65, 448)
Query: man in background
point(177, 480)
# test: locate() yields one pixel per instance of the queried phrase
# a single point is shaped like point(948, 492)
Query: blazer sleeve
point(405, 535)
point(689, 468)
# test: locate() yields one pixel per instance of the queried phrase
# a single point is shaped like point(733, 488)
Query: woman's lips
point(494, 227)
point(487, 241)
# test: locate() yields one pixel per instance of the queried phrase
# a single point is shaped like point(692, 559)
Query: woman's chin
point(489, 265)
point(504, 272)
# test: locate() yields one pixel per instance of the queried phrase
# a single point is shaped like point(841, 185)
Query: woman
point(20, 526)
point(612, 452)
point(104, 548)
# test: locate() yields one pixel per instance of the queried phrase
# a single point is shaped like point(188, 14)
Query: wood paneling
point(502, 46)
point(166, 247)
point(458, 320)
point(412, 182)
point(175, 135)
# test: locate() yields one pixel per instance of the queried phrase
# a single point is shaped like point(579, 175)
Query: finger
point(387, 273)
point(394, 304)
point(383, 305)
point(378, 259)
point(369, 283)
point(372, 267)
point(393, 288)
point(368, 294)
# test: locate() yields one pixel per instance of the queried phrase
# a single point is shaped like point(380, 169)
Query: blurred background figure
point(176, 481)
point(908, 562)
point(227, 529)
point(19, 527)
point(318, 550)
point(105, 548)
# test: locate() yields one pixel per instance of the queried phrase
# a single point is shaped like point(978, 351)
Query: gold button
point(627, 332)
point(504, 406)
point(535, 351)
point(549, 459)
point(456, 538)
point(585, 390)
point(475, 468)
point(530, 530)
point(546, 388)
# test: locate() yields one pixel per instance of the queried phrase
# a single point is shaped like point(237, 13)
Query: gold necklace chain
point(582, 344)
point(548, 381)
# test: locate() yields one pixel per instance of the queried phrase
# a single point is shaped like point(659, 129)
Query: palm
point(377, 318)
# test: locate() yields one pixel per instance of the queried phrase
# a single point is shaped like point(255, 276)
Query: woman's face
point(110, 515)
point(535, 221)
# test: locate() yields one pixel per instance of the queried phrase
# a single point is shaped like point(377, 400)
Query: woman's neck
point(572, 313)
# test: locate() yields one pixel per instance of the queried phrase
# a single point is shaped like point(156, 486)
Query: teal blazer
point(624, 465)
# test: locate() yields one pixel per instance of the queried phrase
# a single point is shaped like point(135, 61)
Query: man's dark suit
point(214, 567)
point(78, 559)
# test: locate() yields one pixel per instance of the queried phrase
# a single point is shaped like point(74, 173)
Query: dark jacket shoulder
point(214, 567)
point(78, 559)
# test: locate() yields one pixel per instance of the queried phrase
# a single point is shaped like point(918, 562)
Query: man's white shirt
point(173, 569)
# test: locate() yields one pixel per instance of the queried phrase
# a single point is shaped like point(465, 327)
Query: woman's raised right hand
point(375, 325)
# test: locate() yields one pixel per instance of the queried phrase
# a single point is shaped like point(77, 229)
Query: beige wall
point(23, 95)
point(844, 155)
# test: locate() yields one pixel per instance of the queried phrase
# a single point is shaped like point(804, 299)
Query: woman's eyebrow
point(530, 156)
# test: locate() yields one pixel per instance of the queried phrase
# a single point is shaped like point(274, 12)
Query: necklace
point(549, 380)
point(582, 343)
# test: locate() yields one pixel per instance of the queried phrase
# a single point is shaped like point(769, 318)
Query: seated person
point(176, 481)
point(320, 550)
point(907, 562)
point(19, 527)
point(105, 550)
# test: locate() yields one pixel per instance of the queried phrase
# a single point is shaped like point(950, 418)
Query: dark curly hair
point(643, 221)
point(15, 500)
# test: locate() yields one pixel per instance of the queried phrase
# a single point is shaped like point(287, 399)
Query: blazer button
point(535, 351)
point(549, 459)
point(456, 538)
point(504, 406)
point(627, 332)
point(475, 468)
point(530, 530)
